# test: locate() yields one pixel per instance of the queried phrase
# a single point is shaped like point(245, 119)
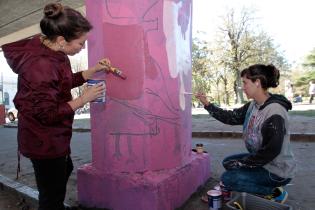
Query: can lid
point(214, 193)
point(94, 81)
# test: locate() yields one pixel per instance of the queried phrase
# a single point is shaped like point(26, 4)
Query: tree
point(243, 46)
point(310, 60)
point(303, 76)
point(208, 72)
point(237, 45)
point(200, 66)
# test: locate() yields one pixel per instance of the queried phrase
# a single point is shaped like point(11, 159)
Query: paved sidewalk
point(224, 141)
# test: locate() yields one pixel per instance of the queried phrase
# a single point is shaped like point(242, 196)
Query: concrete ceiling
point(20, 18)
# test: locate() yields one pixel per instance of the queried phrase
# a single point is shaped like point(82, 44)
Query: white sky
point(289, 22)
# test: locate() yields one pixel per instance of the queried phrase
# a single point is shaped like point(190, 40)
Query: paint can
point(92, 82)
point(214, 200)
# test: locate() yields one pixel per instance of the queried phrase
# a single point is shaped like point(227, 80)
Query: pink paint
point(121, 46)
point(154, 190)
point(141, 138)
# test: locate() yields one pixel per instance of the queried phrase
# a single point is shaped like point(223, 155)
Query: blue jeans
point(255, 180)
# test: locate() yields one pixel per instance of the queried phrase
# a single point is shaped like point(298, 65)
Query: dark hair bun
point(53, 10)
point(63, 21)
point(273, 76)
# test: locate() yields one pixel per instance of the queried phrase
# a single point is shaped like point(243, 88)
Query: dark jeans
point(51, 178)
point(256, 180)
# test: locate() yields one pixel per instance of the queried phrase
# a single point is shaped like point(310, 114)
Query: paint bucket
point(92, 82)
point(214, 200)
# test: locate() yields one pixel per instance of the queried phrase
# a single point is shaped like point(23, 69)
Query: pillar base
point(154, 190)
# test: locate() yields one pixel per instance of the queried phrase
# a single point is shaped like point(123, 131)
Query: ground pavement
point(301, 189)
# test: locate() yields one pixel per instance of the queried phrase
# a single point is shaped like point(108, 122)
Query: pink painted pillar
point(141, 136)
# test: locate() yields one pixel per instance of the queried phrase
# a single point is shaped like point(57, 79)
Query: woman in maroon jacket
point(44, 101)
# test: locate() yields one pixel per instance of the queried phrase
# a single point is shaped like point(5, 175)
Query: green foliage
point(304, 76)
point(200, 67)
point(310, 59)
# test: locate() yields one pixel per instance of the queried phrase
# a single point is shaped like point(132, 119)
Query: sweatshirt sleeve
point(77, 79)
point(273, 132)
point(234, 117)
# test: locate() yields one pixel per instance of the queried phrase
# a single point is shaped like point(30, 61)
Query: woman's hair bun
point(53, 10)
point(273, 75)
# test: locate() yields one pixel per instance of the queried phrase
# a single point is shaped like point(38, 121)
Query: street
point(301, 189)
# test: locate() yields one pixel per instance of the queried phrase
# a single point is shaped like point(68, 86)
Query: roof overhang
point(19, 19)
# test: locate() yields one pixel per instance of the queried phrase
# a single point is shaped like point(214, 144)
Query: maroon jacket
point(45, 80)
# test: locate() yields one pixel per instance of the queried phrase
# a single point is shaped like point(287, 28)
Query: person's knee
point(226, 159)
point(227, 178)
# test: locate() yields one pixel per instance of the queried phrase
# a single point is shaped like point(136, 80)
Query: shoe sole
point(283, 200)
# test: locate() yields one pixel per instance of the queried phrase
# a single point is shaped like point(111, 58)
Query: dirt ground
point(9, 201)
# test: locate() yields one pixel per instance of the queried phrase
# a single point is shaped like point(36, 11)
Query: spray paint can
point(214, 200)
point(92, 82)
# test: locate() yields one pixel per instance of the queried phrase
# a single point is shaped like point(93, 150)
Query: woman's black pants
point(51, 178)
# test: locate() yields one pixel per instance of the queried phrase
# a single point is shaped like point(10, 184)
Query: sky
point(289, 23)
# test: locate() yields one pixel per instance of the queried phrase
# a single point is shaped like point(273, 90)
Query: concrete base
point(154, 190)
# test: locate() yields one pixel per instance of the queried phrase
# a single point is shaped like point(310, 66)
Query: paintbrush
point(118, 72)
point(188, 93)
point(114, 70)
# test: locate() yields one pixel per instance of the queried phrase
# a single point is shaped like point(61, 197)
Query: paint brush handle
point(194, 94)
point(114, 70)
point(118, 72)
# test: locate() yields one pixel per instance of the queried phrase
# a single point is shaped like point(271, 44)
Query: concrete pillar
point(141, 136)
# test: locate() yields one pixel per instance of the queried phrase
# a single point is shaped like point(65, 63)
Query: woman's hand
point(89, 94)
point(203, 98)
point(92, 92)
point(102, 65)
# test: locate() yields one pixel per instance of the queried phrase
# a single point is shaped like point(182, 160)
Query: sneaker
point(280, 195)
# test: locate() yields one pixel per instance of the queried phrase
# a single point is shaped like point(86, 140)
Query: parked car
point(298, 99)
point(12, 114)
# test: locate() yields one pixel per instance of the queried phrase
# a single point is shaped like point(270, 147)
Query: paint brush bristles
point(186, 93)
point(194, 94)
